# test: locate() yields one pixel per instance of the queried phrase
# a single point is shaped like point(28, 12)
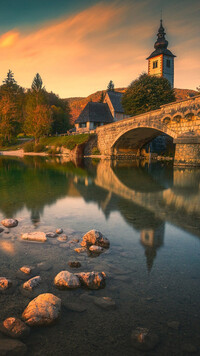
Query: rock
point(74, 240)
point(74, 264)
point(80, 249)
point(105, 303)
point(51, 234)
point(65, 280)
point(26, 269)
point(94, 237)
point(5, 283)
point(43, 310)
point(143, 339)
point(9, 347)
point(189, 348)
point(9, 222)
point(75, 307)
point(34, 236)
point(87, 298)
point(44, 266)
point(92, 280)
point(173, 325)
point(1, 229)
point(96, 249)
point(15, 328)
point(62, 238)
point(59, 231)
point(32, 283)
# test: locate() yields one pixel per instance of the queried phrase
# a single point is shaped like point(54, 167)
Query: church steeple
point(161, 61)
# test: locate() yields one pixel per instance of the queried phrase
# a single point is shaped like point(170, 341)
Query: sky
point(79, 46)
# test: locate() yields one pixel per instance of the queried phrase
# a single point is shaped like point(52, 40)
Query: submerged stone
point(9, 222)
point(5, 283)
point(12, 347)
point(15, 328)
point(26, 269)
point(105, 303)
point(51, 234)
point(32, 283)
point(92, 280)
point(59, 231)
point(43, 310)
point(94, 237)
point(143, 339)
point(34, 236)
point(74, 264)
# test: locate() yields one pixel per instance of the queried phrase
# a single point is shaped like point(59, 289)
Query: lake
point(150, 212)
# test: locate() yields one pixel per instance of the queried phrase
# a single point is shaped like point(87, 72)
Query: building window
point(83, 125)
point(168, 63)
point(155, 64)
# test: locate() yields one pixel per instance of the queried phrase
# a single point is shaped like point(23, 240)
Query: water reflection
point(146, 196)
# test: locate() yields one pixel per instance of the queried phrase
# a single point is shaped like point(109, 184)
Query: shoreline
point(21, 153)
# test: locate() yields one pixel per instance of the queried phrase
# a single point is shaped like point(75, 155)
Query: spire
point(161, 42)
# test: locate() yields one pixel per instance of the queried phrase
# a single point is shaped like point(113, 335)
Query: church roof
point(161, 44)
point(95, 112)
point(116, 100)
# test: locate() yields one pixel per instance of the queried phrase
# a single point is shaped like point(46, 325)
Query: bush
point(53, 151)
point(39, 148)
point(28, 147)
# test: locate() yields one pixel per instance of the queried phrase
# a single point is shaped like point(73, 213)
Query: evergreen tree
point(147, 93)
point(37, 83)
point(198, 88)
point(102, 97)
point(110, 86)
point(11, 108)
point(60, 113)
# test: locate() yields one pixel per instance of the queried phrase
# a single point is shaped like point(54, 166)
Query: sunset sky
point(78, 46)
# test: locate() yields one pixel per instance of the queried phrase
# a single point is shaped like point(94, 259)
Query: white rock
point(34, 236)
point(32, 283)
point(65, 279)
point(43, 310)
point(9, 222)
point(5, 283)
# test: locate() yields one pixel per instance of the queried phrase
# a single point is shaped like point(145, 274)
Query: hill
point(77, 104)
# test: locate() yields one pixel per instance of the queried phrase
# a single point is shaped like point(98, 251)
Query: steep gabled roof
point(159, 51)
point(116, 100)
point(95, 112)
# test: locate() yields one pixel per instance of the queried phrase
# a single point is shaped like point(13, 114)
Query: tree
point(60, 113)
point(102, 97)
point(37, 83)
point(38, 117)
point(147, 93)
point(11, 108)
point(198, 88)
point(110, 86)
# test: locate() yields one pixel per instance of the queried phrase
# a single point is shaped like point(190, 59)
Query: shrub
point(39, 148)
point(95, 151)
point(28, 147)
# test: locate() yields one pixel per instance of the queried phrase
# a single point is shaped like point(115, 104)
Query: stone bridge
point(179, 120)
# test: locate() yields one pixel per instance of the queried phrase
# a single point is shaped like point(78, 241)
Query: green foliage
point(39, 148)
point(111, 86)
point(66, 141)
point(28, 147)
point(95, 151)
point(147, 93)
point(9, 80)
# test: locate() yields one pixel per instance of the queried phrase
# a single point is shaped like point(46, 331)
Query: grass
point(66, 141)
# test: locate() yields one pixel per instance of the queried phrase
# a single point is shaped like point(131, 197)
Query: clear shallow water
point(150, 213)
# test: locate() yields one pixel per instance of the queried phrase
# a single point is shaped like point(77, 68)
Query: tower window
point(168, 63)
point(155, 64)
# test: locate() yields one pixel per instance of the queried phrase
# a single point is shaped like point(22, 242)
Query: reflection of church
point(152, 240)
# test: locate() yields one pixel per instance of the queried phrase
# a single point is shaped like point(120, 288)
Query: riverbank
point(21, 153)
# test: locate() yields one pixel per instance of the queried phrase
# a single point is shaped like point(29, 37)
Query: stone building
point(92, 116)
point(114, 101)
point(161, 61)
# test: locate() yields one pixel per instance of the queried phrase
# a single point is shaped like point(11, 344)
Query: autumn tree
point(147, 93)
point(60, 113)
point(110, 86)
point(11, 108)
point(38, 117)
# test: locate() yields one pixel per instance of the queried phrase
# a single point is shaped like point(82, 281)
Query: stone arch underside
point(138, 137)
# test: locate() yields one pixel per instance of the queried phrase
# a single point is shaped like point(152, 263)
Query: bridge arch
point(138, 135)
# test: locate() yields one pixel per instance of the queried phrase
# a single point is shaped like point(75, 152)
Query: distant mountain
point(77, 104)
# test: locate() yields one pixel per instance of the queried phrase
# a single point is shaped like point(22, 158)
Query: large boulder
point(43, 310)
point(66, 280)
point(15, 328)
point(5, 283)
point(94, 237)
point(9, 222)
point(92, 280)
point(32, 283)
point(12, 347)
point(34, 236)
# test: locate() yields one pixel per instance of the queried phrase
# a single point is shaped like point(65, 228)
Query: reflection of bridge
point(180, 120)
point(178, 204)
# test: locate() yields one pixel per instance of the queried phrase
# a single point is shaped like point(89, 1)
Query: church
point(160, 64)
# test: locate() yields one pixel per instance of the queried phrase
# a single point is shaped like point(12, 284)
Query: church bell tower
point(161, 61)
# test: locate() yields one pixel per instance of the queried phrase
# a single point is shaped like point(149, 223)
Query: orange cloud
point(9, 38)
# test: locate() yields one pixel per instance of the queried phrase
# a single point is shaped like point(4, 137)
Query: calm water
point(150, 213)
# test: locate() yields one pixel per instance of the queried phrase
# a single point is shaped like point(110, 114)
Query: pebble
point(143, 339)
point(66, 280)
point(44, 266)
point(9, 223)
point(105, 303)
point(51, 234)
point(14, 328)
point(96, 249)
point(5, 283)
point(37, 236)
point(62, 238)
point(74, 264)
point(59, 231)
point(26, 269)
point(80, 249)
point(32, 283)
